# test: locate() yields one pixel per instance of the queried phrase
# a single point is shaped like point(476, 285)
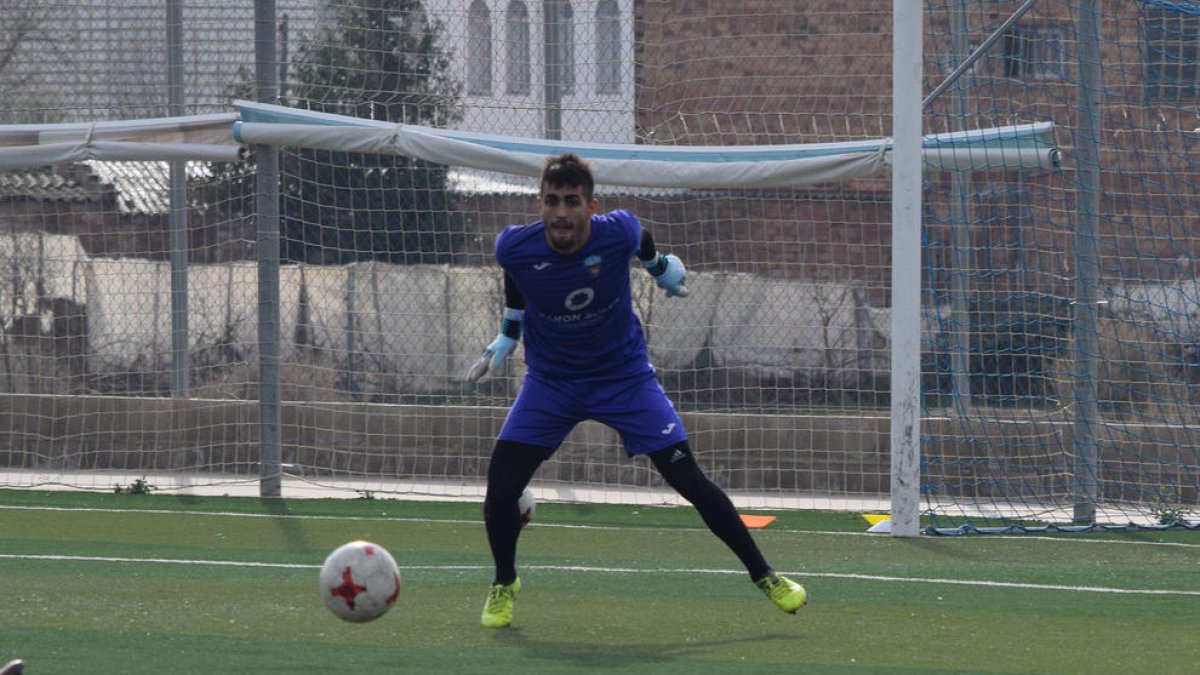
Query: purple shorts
point(637, 408)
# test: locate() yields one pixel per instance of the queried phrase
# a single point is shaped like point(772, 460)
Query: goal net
point(1061, 309)
point(751, 139)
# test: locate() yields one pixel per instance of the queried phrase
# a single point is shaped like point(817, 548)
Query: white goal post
point(905, 436)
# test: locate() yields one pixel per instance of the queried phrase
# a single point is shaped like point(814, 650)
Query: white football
point(526, 505)
point(360, 581)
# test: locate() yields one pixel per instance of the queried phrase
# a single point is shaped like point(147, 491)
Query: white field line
point(1065, 538)
point(301, 487)
point(621, 570)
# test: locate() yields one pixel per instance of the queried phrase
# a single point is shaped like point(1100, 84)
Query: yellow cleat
point(787, 595)
point(498, 610)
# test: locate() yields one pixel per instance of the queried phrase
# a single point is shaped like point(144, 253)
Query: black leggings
point(511, 468)
point(680, 470)
point(513, 465)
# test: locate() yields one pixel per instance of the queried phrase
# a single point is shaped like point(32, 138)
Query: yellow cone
point(880, 522)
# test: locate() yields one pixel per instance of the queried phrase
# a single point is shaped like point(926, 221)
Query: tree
point(34, 33)
point(382, 60)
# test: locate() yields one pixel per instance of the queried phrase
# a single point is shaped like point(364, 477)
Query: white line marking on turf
point(1065, 538)
point(621, 570)
point(156, 561)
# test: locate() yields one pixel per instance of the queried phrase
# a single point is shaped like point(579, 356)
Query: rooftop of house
point(63, 184)
point(139, 187)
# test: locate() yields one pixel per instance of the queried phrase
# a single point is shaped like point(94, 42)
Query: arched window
point(516, 51)
point(563, 43)
point(479, 49)
point(608, 47)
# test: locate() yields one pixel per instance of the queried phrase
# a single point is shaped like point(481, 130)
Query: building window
point(1003, 216)
point(517, 65)
point(608, 47)
point(479, 49)
point(1034, 53)
point(1171, 39)
point(560, 38)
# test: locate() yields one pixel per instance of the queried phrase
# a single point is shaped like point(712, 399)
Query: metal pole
point(978, 53)
point(267, 229)
point(960, 238)
point(905, 441)
point(1087, 264)
point(283, 58)
point(177, 226)
point(352, 361)
point(552, 68)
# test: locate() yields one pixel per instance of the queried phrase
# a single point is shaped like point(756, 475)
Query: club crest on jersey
point(592, 263)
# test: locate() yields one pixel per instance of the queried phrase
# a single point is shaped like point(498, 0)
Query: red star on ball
point(348, 590)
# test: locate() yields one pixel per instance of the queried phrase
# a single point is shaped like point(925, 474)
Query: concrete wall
point(793, 454)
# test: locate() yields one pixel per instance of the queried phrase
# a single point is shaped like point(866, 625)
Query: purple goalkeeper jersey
point(579, 319)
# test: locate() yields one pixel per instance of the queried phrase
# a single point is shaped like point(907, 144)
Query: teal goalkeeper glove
point(668, 273)
point(501, 347)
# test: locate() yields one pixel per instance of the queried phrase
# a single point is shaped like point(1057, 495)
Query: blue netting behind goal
point(1062, 308)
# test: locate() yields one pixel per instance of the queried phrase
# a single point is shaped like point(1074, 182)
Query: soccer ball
point(360, 581)
point(526, 505)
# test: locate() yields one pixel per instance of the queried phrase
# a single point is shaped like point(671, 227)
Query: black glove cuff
point(657, 266)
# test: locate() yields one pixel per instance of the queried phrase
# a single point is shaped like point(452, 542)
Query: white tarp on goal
point(649, 166)
point(195, 137)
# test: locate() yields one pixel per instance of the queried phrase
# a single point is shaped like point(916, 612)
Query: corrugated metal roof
point(47, 186)
point(143, 187)
point(473, 182)
point(140, 187)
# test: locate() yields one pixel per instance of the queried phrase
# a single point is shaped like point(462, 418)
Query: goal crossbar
point(1025, 146)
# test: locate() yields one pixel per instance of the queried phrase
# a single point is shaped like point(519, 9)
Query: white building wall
point(586, 116)
point(117, 68)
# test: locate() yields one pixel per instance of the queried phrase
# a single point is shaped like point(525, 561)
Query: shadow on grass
point(582, 654)
point(294, 532)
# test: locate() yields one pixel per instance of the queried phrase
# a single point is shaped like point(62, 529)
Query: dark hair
point(569, 170)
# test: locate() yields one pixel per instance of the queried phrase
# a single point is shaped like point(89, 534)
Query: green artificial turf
point(103, 583)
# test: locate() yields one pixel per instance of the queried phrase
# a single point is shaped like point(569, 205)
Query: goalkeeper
point(567, 294)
